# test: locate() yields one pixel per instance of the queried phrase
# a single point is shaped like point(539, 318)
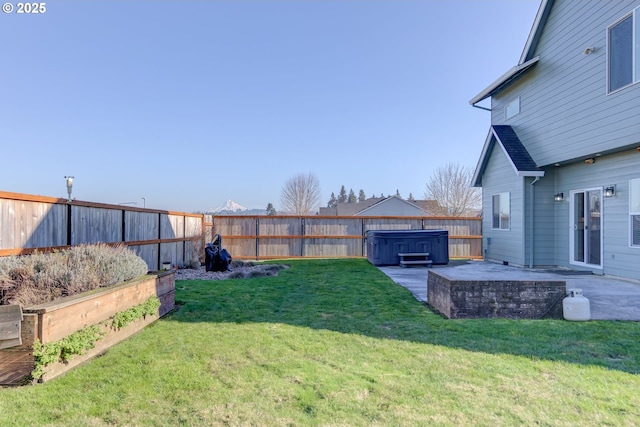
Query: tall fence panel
point(94, 225)
point(20, 219)
point(266, 237)
point(29, 222)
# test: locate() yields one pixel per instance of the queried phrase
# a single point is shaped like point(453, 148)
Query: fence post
point(184, 242)
point(302, 240)
point(69, 233)
point(257, 239)
point(364, 237)
point(159, 238)
point(124, 224)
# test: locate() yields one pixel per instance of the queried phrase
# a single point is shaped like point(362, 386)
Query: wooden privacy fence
point(267, 237)
point(29, 223)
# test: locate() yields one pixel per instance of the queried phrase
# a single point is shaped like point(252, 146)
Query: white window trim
point(500, 220)
point(571, 229)
point(509, 104)
point(632, 213)
point(635, 14)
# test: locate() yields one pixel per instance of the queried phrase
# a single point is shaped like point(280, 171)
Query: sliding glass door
point(586, 227)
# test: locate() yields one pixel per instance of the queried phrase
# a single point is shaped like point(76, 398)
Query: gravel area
point(239, 270)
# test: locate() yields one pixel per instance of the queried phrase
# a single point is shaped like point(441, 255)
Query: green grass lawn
point(336, 343)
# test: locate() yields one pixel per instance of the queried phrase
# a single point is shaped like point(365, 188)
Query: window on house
point(512, 108)
point(634, 211)
point(623, 54)
point(501, 211)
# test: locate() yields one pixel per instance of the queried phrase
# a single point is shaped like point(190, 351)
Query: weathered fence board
point(31, 224)
point(328, 226)
point(280, 226)
point(141, 226)
point(94, 225)
point(265, 237)
point(28, 222)
point(393, 224)
point(278, 248)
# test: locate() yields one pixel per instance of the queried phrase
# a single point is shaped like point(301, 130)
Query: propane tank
point(575, 306)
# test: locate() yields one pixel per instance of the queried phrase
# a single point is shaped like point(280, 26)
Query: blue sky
point(190, 103)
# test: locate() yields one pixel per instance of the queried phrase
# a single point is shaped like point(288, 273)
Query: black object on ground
point(216, 257)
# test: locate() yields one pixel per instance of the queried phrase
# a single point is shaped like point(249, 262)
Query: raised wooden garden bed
point(53, 321)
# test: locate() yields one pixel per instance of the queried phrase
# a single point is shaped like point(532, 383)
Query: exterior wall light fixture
point(610, 191)
point(590, 161)
point(558, 197)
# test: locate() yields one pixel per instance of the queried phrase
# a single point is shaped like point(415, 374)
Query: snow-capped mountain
point(229, 206)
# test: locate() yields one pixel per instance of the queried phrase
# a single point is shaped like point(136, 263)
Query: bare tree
point(300, 194)
point(450, 186)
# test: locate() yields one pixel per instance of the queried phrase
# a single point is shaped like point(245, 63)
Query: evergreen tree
point(361, 196)
point(411, 199)
point(352, 197)
point(271, 210)
point(342, 197)
point(333, 202)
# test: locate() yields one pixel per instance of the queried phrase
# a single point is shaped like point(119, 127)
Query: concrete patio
point(610, 298)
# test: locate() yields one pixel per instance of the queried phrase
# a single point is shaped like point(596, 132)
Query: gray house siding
point(566, 116)
point(503, 245)
point(565, 111)
point(544, 248)
point(618, 258)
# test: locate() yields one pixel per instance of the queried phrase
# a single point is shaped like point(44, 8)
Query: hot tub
point(383, 246)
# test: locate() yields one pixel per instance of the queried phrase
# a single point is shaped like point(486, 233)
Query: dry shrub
point(38, 278)
point(248, 271)
point(196, 251)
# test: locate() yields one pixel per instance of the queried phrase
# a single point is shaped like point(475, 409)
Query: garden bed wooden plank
point(54, 321)
point(10, 320)
point(63, 317)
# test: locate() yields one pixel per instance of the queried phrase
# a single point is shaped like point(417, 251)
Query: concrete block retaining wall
point(482, 298)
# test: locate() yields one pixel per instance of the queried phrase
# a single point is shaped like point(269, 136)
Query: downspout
point(531, 213)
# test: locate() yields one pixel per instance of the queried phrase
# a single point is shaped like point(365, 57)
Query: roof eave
point(530, 173)
point(490, 141)
point(504, 80)
point(477, 174)
point(536, 30)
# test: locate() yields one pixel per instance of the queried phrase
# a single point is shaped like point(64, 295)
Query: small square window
point(512, 108)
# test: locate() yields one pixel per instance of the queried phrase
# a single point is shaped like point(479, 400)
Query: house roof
point(527, 60)
point(429, 206)
point(387, 200)
point(348, 209)
point(517, 154)
point(422, 207)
